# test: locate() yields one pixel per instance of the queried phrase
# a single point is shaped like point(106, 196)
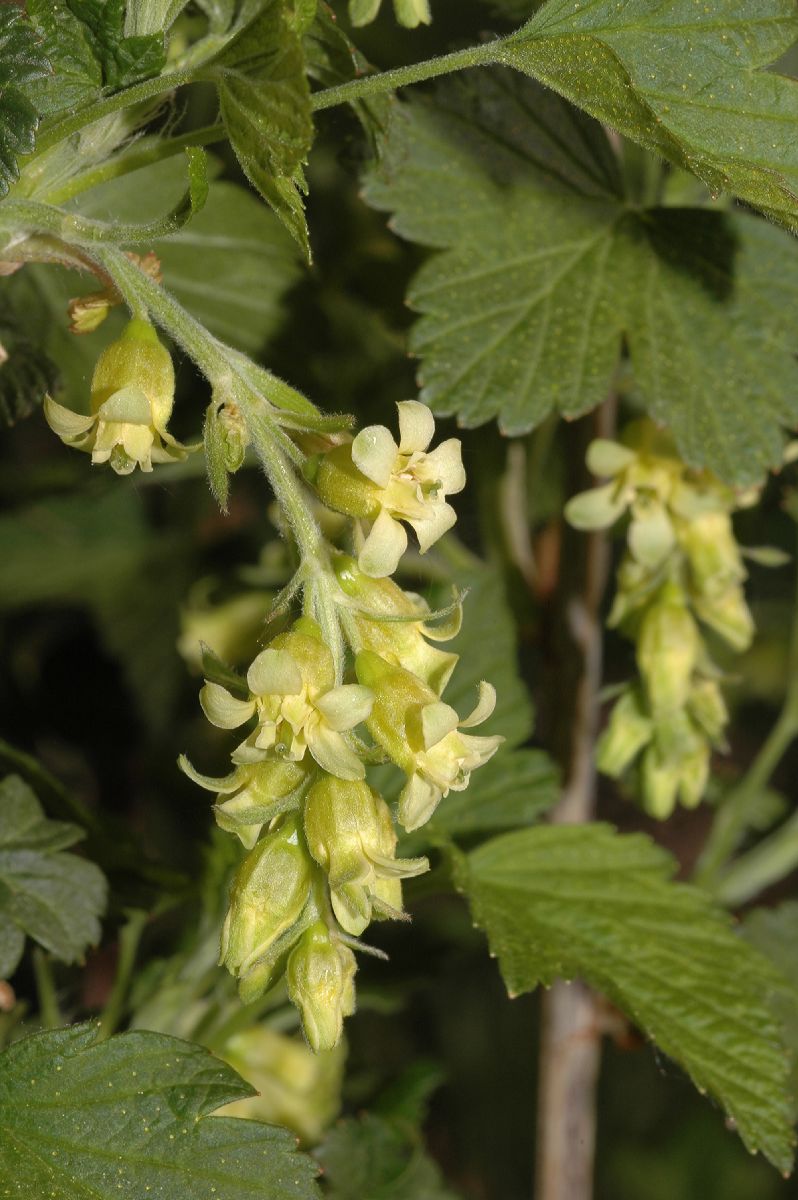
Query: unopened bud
point(629, 730)
point(320, 976)
point(267, 897)
point(667, 649)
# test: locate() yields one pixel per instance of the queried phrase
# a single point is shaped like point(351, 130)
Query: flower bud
point(392, 624)
point(268, 894)
point(668, 645)
point(729, 616)
point(349, 832)
point(629, 730)
point(320, 976)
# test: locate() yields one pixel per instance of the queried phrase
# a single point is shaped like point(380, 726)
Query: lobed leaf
point(123, 60)
point(561, 901)
point(22, 61)
point(685, 80)
point(128, 1117)
point(264, 98)
point(547, 270)
point(53, 897)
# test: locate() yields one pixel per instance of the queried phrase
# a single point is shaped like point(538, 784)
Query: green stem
point(386, 81)
point(294, 500)
point(35, 217)
point(134, 160)
point(732, 820)
point(50, 134)
point(766, 864)
point(129, 938)
point(49, 1011)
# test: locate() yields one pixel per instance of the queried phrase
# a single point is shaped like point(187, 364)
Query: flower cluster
point(132, 395)
point(321, 860)
point(681, 574)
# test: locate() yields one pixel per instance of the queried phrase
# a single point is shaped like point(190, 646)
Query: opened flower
point(132, 395)
point(422, 736)
point(298, 707)
point(378, 480)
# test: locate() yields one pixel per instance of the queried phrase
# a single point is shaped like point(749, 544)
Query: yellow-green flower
point(423, 736)
point(132, 395)
point(385, 483)
point(396, 625)
point(321, 982)
point(350, 833)
point(252, 795)
point(295, 1087)
point(297, 705)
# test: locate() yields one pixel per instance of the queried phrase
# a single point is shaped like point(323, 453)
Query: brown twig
point(571, 1024)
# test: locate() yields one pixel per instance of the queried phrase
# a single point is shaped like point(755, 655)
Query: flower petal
point(129, 405)
point(382, 549)
point(486, 702)
point(598, 507)
point(225, 784)
point(418, 802)
point(437, 719)
point(333, 755)
point(274, 672)
point(374, 454)
point(398, 868)
point(222, 709)
point(441, 518)
point(446, 464)
point(64, 422)
point(346, 706)
point(416, 426)
point(608, 458)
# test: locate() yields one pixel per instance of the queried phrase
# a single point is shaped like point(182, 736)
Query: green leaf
point(128, 1117)
point(547, 271)
point(374, 1158)
point(124, 60)
point(561, 901)
point(683, 79)
point(12, 946)
point(774, 932)
point(265, 104)
point(26, 372)
point(65, 41)
point(53, 897)
point(22, 61)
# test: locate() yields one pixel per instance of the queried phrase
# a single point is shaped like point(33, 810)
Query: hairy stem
point(387, 81)
point(571, 1035)
point(129, 938)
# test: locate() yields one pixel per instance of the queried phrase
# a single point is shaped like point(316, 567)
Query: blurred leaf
point(53, 897)
point(27, 373)
point(373, 1158)
point(774, 932)
point(560, 901)
point(725, 118)
point(546, 270)
point(22, 61)
point(123, 60)
point(128, 1116)
point(248, 265)
point(65, 41)
point(98, 551)
point(265, 104)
